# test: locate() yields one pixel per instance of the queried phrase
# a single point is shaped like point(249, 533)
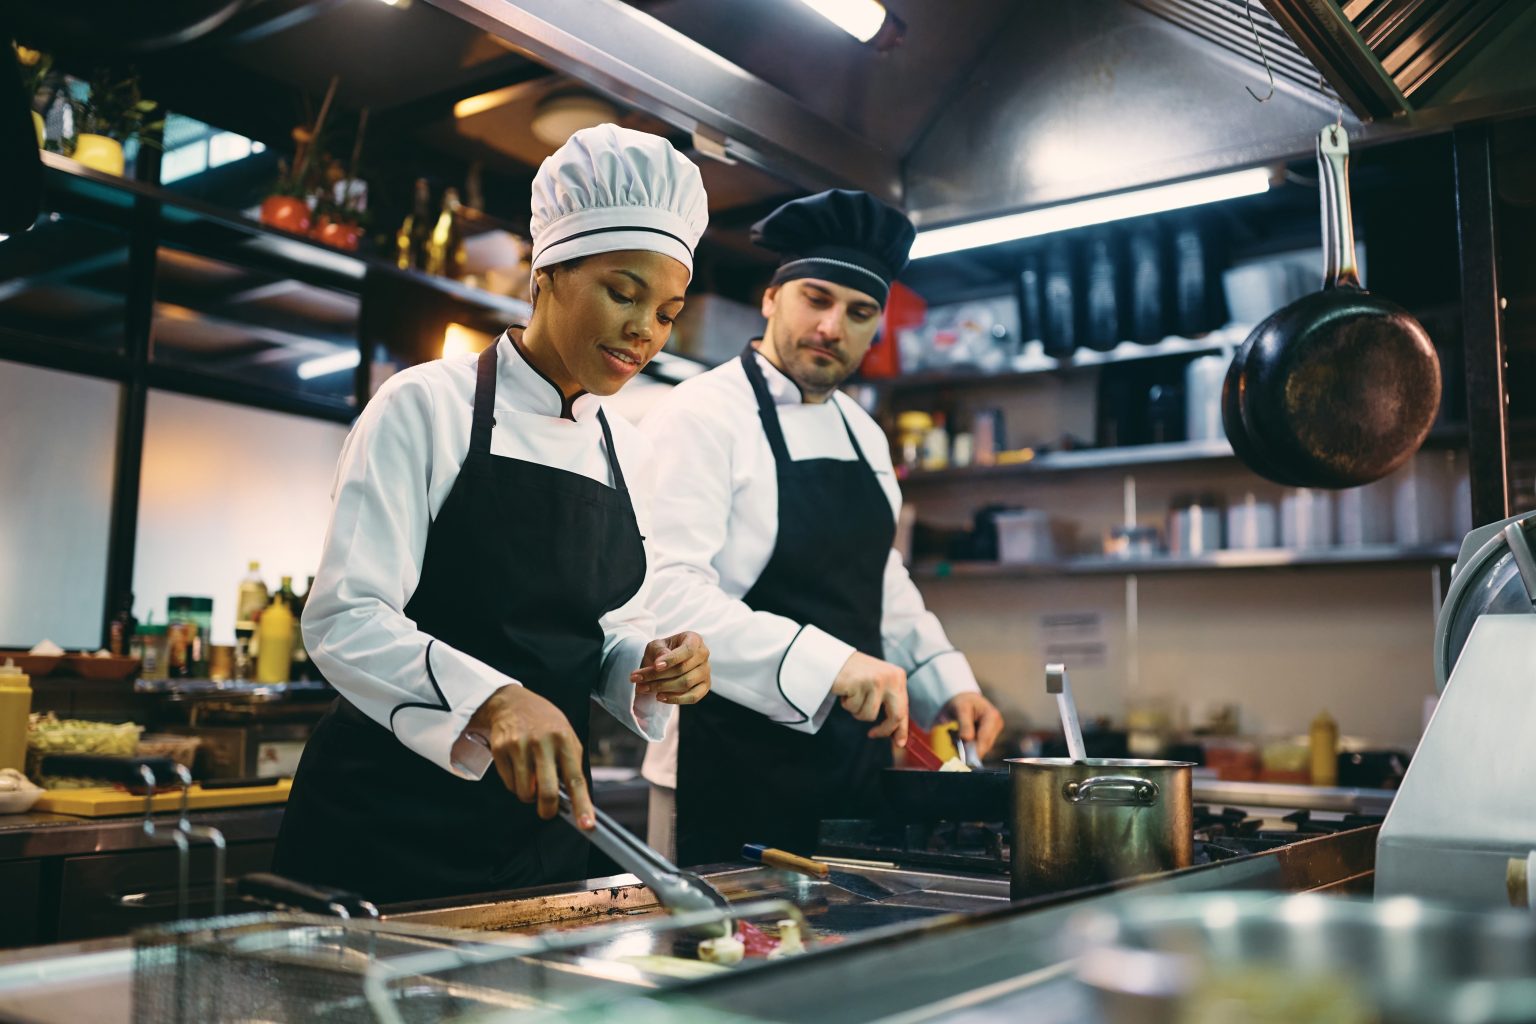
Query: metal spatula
point(845, 880)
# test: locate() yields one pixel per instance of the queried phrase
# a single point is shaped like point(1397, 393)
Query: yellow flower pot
point(99, 153)
point(42, 131)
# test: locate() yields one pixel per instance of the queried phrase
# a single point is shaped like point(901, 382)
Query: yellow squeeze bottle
point(15, 707)
point(1324, 736)
point(274, 659)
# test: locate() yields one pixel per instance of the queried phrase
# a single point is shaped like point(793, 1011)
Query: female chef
point(484, 577)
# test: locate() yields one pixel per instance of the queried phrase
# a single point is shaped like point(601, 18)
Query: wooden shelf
point(1222, 561)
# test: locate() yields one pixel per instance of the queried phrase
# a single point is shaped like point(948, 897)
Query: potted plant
point(113, 112)
point(287, 205)
point(35, 66)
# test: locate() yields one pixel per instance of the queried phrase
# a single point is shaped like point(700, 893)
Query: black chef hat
point(848, 238)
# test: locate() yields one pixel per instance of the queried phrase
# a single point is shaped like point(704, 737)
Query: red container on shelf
point(904, 308)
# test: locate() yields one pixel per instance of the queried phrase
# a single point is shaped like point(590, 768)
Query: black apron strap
point(485, 402)
point(766, 409)
point(613, 456)
point(858, 453)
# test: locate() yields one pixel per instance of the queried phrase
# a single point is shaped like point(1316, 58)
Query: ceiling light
point(861, 19)
point(309, 369)
point(558, 117)
point(458, 340)
point(1100, 210)
point(486, 101)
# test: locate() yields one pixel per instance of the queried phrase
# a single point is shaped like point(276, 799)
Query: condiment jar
point(15, 707)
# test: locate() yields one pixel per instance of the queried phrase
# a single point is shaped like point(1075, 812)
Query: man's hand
point(676, 669)
point(980, 722)
point(536, 751)
point(866, 686)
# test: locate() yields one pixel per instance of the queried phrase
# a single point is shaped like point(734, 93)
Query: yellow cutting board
point(106, 801)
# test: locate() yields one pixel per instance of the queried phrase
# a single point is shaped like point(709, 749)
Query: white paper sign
point(1076, 639)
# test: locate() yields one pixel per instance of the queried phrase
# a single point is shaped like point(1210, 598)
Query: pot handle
point(1338, 224)
point(1112, 789)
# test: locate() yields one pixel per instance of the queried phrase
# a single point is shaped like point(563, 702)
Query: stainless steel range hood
point(992, 106)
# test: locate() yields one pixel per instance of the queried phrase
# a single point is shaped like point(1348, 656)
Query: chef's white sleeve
point(914, 640)
point(630, 627)
point(769, 663)
point(355, 627)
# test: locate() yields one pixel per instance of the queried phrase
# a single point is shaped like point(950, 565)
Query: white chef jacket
point(716, 523)
point(398, 464)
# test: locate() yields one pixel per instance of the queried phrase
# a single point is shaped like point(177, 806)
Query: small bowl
point(91, 667)
point(19, 801)
point(34, 665)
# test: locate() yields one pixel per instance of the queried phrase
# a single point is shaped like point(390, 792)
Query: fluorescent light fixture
point(859, 18)
point(1100, 210)
point(480, 103)
point(309, 369)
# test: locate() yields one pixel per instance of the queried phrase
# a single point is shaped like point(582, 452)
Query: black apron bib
point(521, 562)
point(742, 778)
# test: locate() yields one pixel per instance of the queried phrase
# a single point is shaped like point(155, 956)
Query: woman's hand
point(536, 751)
point(675, 670)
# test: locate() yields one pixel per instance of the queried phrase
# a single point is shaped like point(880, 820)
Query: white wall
point(58, 436)
point(223, 485)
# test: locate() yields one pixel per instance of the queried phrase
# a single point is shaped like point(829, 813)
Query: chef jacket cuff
point(936, 682)
point(642, 713)
point(439, 733)
point(806, 674)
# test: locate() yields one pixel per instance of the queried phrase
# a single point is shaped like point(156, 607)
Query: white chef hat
point(609, 189)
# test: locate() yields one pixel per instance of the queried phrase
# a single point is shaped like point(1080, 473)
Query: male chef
point(774, 542)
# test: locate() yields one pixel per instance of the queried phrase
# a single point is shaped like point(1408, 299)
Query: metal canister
point(1079, 823)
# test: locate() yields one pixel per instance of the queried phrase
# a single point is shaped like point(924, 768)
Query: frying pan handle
point(1339, 268)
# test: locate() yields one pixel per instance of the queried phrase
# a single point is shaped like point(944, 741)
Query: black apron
point(742, 778)
point(521, 562)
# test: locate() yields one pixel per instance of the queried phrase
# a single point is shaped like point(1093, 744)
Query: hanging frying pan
point(1237, 433)
point(1340, 387)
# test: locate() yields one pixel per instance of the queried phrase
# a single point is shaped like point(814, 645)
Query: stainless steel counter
point(40, 834)
point(940, 947)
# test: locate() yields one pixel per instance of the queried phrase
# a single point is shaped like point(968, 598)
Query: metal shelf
point(1081, 460)
point(1225, 561)
point(1226, 338)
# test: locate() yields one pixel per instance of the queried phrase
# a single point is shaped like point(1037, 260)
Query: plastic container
point(1251, 524)
point(181, 749)
point(15, 710)
point(1025, 536)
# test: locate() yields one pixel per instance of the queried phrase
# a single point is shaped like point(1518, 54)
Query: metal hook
point(1248, 11)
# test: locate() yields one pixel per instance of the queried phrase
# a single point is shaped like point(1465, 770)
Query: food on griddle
point(727, 950)
point(789, 940)
point(755, 941)
point(954, 764)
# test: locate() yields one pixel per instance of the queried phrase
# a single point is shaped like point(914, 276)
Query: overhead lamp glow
point(859, 18)
point(322, 366)
point(458, 340)
point(1101, 210)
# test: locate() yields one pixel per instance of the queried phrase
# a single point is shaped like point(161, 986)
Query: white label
point(1076, 639)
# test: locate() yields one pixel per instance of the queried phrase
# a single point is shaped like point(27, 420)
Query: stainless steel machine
point(1463, 826)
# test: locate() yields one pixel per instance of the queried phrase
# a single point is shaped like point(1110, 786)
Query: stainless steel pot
point(1078, 823)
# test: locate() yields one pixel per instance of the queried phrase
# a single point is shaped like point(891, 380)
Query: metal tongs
point(680, 891)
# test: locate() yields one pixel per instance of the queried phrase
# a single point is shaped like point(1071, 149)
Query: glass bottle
point(411, 239)
point(445, 247)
